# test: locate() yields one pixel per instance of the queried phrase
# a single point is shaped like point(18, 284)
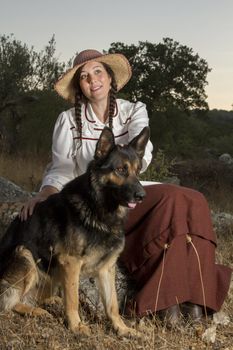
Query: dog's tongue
point(132, 205)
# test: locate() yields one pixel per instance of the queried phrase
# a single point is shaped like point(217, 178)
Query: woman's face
point(95, 82)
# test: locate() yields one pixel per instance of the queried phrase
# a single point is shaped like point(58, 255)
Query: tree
point(47, 69)
point(165, 75)
point(23, 70)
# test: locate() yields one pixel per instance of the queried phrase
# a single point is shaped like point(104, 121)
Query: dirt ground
point(46, 332)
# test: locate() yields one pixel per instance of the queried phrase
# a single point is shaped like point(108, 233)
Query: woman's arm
point(62, 168)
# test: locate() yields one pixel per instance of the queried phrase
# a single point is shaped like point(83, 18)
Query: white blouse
point(69, 160)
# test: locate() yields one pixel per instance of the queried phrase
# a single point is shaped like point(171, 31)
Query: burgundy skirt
point(170, 251)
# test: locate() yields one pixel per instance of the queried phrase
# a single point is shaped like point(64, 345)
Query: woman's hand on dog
point(28, 207)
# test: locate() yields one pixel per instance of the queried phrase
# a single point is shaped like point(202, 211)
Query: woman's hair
point(81, 98)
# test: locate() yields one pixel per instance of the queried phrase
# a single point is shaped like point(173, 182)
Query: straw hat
point(119, 64)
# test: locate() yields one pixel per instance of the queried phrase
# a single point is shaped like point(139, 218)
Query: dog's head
point(119, 166)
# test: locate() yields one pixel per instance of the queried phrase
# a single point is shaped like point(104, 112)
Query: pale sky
point(206, 26)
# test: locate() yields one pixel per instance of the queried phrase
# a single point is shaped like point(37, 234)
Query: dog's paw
point(24, 309)
point(37, 311)
point(81, 329)
point(129, 333)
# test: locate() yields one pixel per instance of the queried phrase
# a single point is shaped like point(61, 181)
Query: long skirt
point(170, 251)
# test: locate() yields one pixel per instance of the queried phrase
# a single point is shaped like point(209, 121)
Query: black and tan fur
point(77, 231)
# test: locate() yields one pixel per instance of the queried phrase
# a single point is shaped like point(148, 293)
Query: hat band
point(85, 58)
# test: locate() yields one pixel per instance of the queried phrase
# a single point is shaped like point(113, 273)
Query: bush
point(159, 169)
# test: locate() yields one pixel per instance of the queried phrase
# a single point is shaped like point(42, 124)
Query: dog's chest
point(94, 249)
point(98, 258)
point(101, 251)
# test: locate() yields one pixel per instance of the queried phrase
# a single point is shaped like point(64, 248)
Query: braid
point(112, 103)
point(79, 98)
point(112, 95)
point(78, 117)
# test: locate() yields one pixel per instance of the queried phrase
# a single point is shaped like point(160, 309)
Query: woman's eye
point(97, 71)
point(83, 77)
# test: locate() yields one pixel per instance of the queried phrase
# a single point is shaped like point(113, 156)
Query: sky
point(206, 26)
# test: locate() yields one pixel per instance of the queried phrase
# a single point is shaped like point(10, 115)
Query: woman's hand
point(29, 206)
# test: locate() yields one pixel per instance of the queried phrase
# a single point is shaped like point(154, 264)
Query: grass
point(26, 172)
point(22, 333)
point(28, 333)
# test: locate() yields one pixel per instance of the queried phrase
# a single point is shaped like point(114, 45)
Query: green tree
point(165, 75)
point(22, 69)
point(15, 68)
point(23, 73)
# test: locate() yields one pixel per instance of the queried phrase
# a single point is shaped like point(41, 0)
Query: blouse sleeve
point(62, 169)
point(139, 119)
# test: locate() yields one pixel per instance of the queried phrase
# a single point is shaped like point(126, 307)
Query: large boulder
point(11, 199)
point(226, 158)
point(10, 192)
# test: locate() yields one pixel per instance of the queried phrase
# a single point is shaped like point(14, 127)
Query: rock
point(222, 220)
point(10, 192)
point(8, 211)
point(226, 159)
point(11, 200)
point(90, 293)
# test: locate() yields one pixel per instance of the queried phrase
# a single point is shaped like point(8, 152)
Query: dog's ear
point(139, 142)
point(105, 143)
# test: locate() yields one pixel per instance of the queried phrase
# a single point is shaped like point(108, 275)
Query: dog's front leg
point(69, 275)
point(106, 281)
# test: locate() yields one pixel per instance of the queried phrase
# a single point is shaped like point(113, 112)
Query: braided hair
point(112, 95)
point(80, 98)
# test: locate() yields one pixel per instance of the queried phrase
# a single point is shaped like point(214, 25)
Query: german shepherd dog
point(76, 231)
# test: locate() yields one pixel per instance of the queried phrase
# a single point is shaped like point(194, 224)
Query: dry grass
point(25, 172)
point(50, 333)
point(221, 199)
point(28, 333)
point(22, 333)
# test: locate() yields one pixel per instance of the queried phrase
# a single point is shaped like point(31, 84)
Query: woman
point(170, 243)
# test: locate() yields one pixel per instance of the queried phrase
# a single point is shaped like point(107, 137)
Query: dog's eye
point(122, 170)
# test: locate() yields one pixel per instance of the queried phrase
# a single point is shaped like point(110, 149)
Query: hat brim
point(118, 63)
